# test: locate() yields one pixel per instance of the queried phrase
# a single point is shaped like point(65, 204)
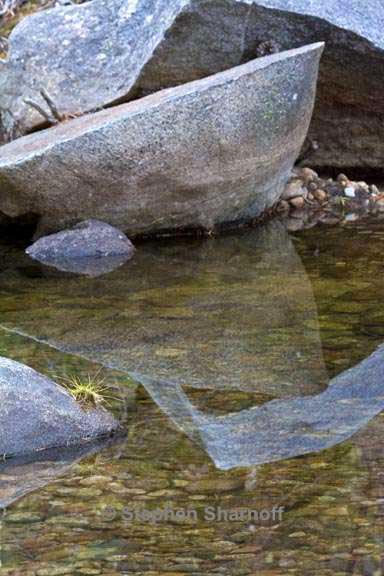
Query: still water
point(250, 378)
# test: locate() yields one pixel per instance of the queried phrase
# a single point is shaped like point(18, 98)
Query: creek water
point(250, 378)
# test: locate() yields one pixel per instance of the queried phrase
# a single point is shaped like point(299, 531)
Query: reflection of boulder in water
point(283, 428)
point(234, 312)
point(22, 475)
point(88, 266)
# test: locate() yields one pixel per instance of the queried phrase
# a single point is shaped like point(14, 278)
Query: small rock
point(294, 188)
point(342, 178)
point(312, 186)
point(37, 414)
point(72, 249)
point(352, 217)
point(363, 186)
point(321, 196)
point(379, 205)
point(308, 175)
point(374, 190)
point(297, 202)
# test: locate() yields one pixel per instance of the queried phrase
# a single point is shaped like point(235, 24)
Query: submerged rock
point(210, 152)
point(84, 56)
point(36, 413)
point(91, 247)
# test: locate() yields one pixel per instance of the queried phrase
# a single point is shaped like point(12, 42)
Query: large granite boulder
point(36, 413)
point(213, 35)
point(102, 52)
point(214, 151)
point(85, 56)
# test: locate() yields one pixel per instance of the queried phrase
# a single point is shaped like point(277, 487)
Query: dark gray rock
point(91, 247)
point(85, 56)
point(213, 35)
point(210, 152)
point(36, 413)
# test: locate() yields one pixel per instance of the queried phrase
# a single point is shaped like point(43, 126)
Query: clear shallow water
point(198, 336)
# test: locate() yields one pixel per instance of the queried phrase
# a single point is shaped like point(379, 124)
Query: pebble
point(294, 188)
point(379, 205)
point(346, 200)
point(283, 206)
point(363, 186)
point(312, 186)
point(307, 175)
point(297, 202)
point(374, 190)
point(321, 196)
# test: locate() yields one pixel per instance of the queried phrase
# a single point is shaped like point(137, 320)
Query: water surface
point(250, 372)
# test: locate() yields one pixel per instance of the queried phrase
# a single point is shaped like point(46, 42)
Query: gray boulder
point(213, 35)
point(206, 153)
point(86, 56)
point(165, 43)
point(91, 247)
point(36, 413)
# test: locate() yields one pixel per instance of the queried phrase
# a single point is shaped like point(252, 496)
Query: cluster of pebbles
point(309, 199)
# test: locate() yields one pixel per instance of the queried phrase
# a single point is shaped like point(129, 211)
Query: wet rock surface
point(197, 156)
point(37, 414)
point(91, 247)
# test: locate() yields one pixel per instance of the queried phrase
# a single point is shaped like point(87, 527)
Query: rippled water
point(250, 375)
